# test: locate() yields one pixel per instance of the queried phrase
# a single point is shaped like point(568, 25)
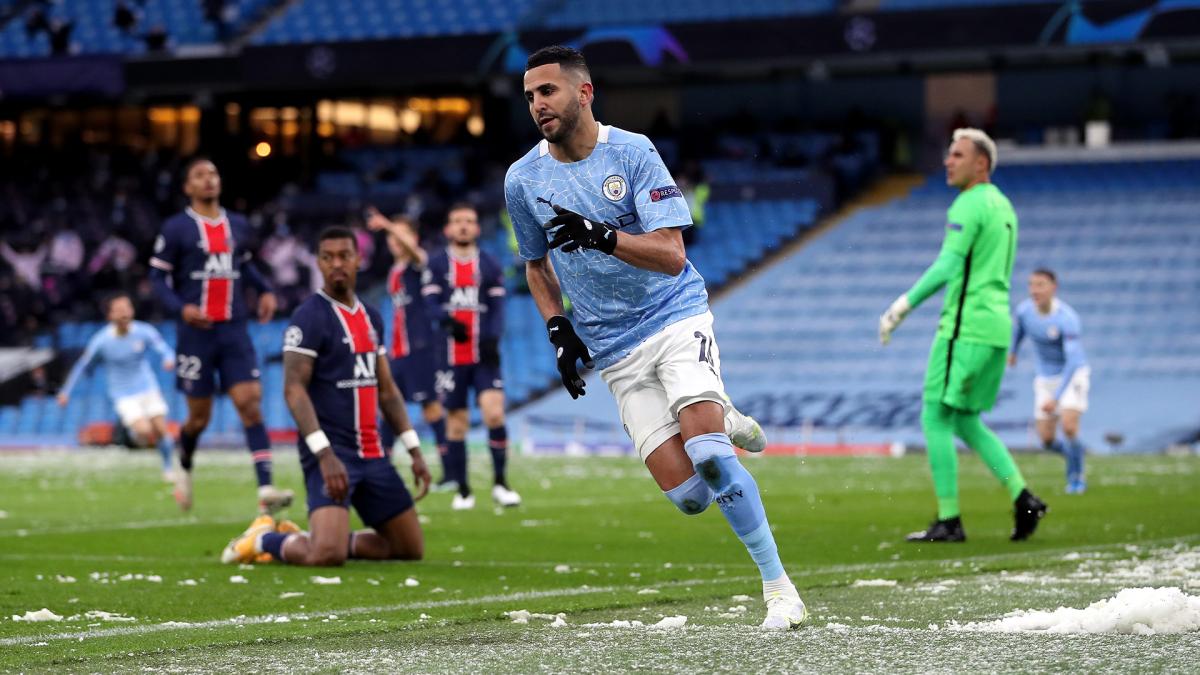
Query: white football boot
point(272, 499)
point(505, 497)
point(744, 431)
point(785, 611)
point(461, 503)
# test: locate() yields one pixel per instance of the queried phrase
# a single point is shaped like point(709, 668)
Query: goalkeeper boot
point(1027, 511)
point(271, 499)
point(743, 430)
point(785, 611)
point(244, 548)
point(948, 530)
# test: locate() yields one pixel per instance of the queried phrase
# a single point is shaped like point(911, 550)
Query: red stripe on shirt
point(401, 346)
point(216, 294)
point(465, 275)
point(366, 399)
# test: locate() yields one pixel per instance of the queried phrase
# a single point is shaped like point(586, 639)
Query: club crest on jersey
point(1052, 332)
point(615, 188)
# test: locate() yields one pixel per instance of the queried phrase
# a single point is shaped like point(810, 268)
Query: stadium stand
point(332, 20)
point(799, 346)
point(587, 13)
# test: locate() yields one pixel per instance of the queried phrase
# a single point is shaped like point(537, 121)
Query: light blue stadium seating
point(335, 21)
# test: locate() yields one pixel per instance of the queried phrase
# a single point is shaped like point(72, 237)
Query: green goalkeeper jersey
point(981, 226)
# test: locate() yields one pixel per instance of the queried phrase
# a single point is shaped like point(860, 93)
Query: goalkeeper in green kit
point(967, 360)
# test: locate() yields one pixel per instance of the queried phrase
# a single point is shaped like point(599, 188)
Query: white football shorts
point(146, 405)
point(1075, 396)
point(675, 368)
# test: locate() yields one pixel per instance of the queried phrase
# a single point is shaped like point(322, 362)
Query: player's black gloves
point(568, 350)
point(455, 328)
point(489, 352)
point(576, 232)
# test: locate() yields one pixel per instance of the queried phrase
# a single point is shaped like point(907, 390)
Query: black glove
point(577, 231)
point(569, 349)
point(489, 352)
point(455, 328)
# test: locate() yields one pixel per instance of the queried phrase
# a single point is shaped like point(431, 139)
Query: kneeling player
point(335, 374)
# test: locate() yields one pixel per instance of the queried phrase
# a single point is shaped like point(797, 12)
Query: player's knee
point(411, 552)
point(327, 557)
point(493, 419)
point(692, 496)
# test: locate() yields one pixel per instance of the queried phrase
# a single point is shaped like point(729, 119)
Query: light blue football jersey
point(124, 357)
point(625, 183)
point(1055, 336)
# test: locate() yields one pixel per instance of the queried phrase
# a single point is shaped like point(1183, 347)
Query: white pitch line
point(136, 525)
point(434, 604)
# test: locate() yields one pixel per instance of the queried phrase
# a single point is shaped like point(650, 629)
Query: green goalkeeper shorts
point(964, 375)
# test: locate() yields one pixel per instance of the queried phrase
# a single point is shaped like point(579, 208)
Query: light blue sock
point(1055, 446)
point(165, 449)
point(737, 495)
point(1073, 449)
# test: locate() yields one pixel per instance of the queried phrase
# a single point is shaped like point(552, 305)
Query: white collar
point(601, 137)
point(221, 218)
point(352, 310)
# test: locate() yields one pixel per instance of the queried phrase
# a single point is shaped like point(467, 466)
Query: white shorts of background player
point(146, 405)
point(678, 366)
point(1075, 396)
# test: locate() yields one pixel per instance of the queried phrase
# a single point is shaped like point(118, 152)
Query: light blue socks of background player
point(165, 449)
point(720, 477)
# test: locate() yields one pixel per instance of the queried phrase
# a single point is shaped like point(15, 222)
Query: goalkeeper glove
point(569, 349)
point(578, 232)
point(892, 317)
point(455, 328)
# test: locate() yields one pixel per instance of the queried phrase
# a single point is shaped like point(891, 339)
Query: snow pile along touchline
point(1133, 611)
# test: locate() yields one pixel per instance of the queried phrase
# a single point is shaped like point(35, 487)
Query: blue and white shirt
point(622, 182)
point(1055, 338)
point(124, 357)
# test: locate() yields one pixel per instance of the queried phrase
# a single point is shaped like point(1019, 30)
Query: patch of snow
point(562, 569)
point(648, 591)
point(42, 614)
point(325, 581)
point(411, 582)
point(187, 582)
point(290, 594)
point(1132, 611)
point(742, 598)
point(671, 622)
point(860, 583)
point(238, 579)
point(64, 579)
point(108, 616)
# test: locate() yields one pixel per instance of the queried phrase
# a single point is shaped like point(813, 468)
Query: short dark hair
point(337, 232)
point(461, 206)
point(568, 58)
point(191, 164)
point(113, 297)
point(1046, 272)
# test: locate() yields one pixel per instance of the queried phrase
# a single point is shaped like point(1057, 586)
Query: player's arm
point(960, 234)
point(81, 366)
point(376, 221)
point(391, 403)
point(162, 266)
point(493, 319)
point(1018, 336)
point(158, 344)
point(267, 302)
point(1073, 351)
point(435, 294)
point(297, 373)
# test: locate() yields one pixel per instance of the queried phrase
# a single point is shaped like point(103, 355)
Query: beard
point(567, 121)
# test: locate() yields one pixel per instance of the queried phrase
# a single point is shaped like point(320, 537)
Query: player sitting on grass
point(122, 347)
point(1060, 389)
point(335, 376)
point(966, 362)
point(640, 307)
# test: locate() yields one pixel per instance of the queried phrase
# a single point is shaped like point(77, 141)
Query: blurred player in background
point(199, 265)
point(336, 379)
point(464, 289)
point(966, 363)
point(1060, 388)
point(640, 306)
point(122, 347)
point(413, 361)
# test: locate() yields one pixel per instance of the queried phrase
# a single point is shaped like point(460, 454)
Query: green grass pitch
point(595, 541)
